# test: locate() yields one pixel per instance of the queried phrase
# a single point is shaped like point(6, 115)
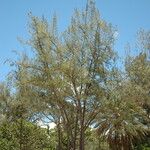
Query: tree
point(138, 69)
point(69, 75)
point(34, 137)
point(72, 80)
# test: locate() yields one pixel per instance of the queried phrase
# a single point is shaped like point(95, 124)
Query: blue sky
point(127, 15)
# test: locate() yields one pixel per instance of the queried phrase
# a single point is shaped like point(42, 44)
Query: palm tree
point(121, 119)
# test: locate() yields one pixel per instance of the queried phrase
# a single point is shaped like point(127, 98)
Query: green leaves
point(73, 81)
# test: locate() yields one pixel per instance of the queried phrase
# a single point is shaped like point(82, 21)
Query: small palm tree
point(121, 120)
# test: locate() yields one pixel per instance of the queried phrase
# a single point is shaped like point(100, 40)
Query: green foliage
point(67, 75)
point(72, 80)
point(30, 137)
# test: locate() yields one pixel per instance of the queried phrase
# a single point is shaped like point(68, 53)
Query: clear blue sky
point(127, 15)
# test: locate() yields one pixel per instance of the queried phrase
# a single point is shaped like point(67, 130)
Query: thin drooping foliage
point(72, 80)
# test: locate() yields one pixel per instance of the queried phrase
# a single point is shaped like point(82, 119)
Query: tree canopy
point(72, 79)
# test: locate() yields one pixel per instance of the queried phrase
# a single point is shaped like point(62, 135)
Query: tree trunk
point(59, 147)
point(81, 146)
point(75, 130)
point(82, 132)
